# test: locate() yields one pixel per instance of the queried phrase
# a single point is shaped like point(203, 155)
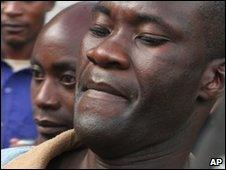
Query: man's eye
point(99, 31)
point(152, 40)
point(37, 73)
point(68, 78)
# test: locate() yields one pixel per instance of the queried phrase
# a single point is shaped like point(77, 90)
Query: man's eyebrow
point(101, 9)
point(65, 64)
point(142, 17)
point(148, 18)
point(145, 18)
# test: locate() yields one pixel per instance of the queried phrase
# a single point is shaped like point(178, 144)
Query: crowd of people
point(112, 84)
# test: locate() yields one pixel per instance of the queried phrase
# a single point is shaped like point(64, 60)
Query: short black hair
point(213, 15)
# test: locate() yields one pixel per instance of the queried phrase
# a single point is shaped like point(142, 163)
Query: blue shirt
point(16, 108)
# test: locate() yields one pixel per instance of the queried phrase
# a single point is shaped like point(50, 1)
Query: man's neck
point(20, 52)
point(173, 153)
point(177, 160)
point(167, 155)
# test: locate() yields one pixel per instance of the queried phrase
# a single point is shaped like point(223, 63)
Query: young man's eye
point(99, 31)
point(37, 73)
point(68, 78)
point(152, 40)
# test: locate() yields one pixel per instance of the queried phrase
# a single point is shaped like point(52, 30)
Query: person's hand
point(15, 142)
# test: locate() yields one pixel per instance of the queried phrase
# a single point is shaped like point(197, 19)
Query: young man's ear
point(50, 5)
point(213, 80)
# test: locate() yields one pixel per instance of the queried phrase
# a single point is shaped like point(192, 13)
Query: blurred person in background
point(211, 141)
point(53, 65)
point(21, 22)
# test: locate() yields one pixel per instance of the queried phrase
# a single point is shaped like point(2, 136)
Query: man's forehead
point(55, 31)
point(55, 40)
point(59, 32)
point(180, 16)
point(152, 6)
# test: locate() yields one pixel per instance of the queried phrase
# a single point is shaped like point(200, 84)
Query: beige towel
point(39, 156)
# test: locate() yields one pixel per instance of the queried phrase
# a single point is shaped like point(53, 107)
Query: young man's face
point(53, 82)
point(139, 74)
point(54, 63)
point(21, 21)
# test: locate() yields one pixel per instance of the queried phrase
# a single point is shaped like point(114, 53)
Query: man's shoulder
point(11, 153)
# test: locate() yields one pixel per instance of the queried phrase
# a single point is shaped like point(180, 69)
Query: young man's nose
point(13, 8)
point(47, 96)
point(109, 54)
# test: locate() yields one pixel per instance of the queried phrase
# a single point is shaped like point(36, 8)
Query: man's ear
point(50, 5)
point(213, 80)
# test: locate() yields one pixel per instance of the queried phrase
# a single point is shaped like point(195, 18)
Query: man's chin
point(100, 120)
point(93, 131)
point(101, 135)
point(97, 117)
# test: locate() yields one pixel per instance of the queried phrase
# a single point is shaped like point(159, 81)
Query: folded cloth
point(39, 156)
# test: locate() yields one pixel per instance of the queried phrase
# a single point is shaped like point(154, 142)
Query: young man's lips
point(46, 123)
point(50, 128)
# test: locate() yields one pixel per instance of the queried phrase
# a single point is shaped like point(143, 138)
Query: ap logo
point(216, 161)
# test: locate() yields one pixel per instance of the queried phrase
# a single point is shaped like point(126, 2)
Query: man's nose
point(109, 54)
point(12, 8)
point(47, 96)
